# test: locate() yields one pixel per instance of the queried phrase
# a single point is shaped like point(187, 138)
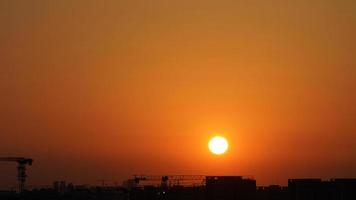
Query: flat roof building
point(316, 189)
point(230, 188)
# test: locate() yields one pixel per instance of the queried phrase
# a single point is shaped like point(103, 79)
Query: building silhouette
point(214, 188)
point(230, 188)
point(316, 189)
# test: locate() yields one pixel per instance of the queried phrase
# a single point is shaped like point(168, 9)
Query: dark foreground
point(215, 188)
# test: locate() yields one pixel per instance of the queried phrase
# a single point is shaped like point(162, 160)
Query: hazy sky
point(106, 89)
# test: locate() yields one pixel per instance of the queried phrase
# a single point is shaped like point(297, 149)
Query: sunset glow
point(106, 89)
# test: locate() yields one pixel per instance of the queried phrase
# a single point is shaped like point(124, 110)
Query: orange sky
point(105, 89)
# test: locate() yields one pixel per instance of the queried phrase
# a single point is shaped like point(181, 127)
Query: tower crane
point(21, 168)
point(171, 180)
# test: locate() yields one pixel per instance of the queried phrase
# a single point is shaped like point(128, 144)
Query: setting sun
point(218, 145)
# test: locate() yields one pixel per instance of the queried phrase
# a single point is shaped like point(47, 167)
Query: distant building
point(59, 186)
point(316, 189)
point(129, 184)
point(304, 189)
point(272, 192)
point(230, 188)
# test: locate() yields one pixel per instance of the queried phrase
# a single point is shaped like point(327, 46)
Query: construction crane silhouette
point(171, 180)
point(21, 168)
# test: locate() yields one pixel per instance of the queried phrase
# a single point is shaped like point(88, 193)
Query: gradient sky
point(106, 89)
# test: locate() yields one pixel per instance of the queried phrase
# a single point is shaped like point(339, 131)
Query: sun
point(218, 145)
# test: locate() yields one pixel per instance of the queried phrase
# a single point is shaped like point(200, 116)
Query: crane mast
point(21, 168)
